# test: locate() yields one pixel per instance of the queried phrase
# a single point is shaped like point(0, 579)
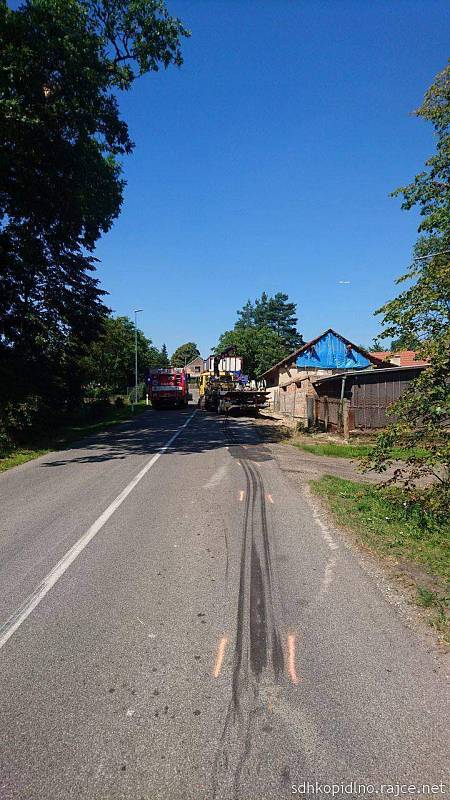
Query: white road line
point(33, 600)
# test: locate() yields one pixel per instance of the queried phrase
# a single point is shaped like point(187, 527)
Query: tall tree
point(61, 68)
point(261, 310)
point(246, 316)
point(265, 332)
point(164, 357)
point(184, 354)
point(421, 313)
point(276, 313)
point(259, 348)
point(280, 316)
point(109, 363)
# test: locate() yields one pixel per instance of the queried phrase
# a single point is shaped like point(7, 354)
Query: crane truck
point(224, 391)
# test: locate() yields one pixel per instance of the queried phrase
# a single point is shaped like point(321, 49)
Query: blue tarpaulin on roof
point(330, 352)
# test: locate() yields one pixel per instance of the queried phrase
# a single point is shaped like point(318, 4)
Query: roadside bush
point(427, 506)
point(94, 411)
point(6, 444)
point(93, 392)
point(24, 421)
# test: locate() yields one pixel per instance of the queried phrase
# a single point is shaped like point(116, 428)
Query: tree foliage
point(110, 362)
point(421, 314)
point(275, 313)
point(264, 333)
point(164, 360)
point(62, 64)
point(259, 348)
point(406, 341)
point(184, 354)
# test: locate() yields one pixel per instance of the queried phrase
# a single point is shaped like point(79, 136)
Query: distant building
point(194, 367)
point(400, 358)
point(291, 381)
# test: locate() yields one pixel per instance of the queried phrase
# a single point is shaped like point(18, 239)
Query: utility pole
point(136, 312)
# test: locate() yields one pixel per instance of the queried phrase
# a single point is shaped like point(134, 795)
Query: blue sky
point(266, 161)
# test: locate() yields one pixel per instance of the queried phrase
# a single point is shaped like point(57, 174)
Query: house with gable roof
point(292, 379)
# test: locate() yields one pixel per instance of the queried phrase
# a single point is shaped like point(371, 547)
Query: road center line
point(33, 600)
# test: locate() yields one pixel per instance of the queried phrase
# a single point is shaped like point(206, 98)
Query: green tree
point(265, 332)
point(421, 313)
point(184, 354)
point(155, 357)
point(406, 341)
point(280, 316)
point(276, 313)
point(164, 361)
point(259, 348)
point(110, 364)
point(62, 65)
point(246, 316)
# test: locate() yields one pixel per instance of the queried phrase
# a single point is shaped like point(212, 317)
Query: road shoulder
point(417, 593)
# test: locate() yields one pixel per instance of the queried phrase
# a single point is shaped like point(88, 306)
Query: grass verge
point(18, 457)
point(351, 450)
point(70, 433)
point(419, 544)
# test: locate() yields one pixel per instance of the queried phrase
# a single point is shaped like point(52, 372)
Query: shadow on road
point(147, 434)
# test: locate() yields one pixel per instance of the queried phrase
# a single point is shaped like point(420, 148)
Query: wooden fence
point(284, 402)
point(355, 402)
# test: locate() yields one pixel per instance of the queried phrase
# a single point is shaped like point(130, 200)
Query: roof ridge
point(312, 342)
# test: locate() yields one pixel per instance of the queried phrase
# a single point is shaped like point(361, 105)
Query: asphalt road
point(209, 637)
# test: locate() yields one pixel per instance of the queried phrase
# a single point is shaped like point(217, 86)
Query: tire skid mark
point(258, 649)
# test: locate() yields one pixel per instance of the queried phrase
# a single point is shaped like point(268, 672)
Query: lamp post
point(136, 312)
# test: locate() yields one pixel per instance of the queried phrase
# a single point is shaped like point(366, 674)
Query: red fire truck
point(168, 388)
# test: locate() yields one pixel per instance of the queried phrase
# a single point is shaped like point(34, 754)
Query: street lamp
point(136, 312)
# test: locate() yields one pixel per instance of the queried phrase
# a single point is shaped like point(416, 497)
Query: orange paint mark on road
point(291, 641)
point(270, 498)
point(219, 656)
